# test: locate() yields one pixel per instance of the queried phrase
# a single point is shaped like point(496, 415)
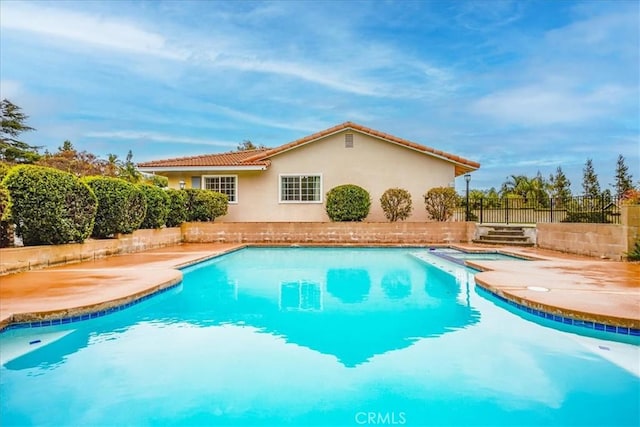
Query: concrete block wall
point(33, 257)
point(330, 233)
point(597, 240)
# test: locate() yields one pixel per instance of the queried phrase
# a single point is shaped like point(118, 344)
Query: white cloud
point(313, 74)
point(543, 105)
point(78, 27)
point(259, 120)
point(10, 89)
point(158, 137)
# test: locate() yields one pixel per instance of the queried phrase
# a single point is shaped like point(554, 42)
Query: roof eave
point(201, 168)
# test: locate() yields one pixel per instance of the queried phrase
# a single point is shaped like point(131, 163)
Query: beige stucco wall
point(373, 164)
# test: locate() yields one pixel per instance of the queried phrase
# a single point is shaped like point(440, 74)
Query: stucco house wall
point(373, 164)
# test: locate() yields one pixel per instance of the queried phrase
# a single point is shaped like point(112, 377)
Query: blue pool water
point(338, 337)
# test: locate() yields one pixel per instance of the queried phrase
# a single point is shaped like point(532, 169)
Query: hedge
point(157, 206)
point(348, 203)
point(5, 209)
point(121, 206)
point(49, 206)
point(177, 207)
point(205, 205)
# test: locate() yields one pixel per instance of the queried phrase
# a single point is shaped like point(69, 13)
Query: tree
point(590, 184)
point(560, 187)
point(13, 150)
point(79, 163)
point(624, 180)
point(516, 185)
point(128, 170)
point(529, 189)
point(248, 145)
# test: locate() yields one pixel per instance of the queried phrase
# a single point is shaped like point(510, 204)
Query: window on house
point(300, 188)
point(348, 140)
point(225, 184)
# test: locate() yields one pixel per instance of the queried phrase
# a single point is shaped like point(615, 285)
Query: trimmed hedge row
point(50, 206)
point(203, 205)
point(177, 207)
point(157, 206)
point(121, 206)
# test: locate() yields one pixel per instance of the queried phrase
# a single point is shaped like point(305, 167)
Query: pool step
point(505, 236)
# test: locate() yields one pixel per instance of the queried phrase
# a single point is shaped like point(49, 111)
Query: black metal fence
point(521, 210)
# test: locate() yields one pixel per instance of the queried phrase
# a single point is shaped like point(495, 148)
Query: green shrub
point(396, 204)
point(4, 170)
point(205, 205)
point(348, 203)
point(634, 255)
point(5, 210)
point(177, 207)
point(157, 206)
point(440, 203)
point(157, 180)
point(49, 206)
point(5, 203)
point(588, 217)
point(121, 206)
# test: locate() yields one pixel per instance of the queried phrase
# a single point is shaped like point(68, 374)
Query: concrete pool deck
point(584, 288)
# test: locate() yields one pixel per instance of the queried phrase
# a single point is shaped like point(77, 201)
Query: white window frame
point(235, 179)
point(288, 175)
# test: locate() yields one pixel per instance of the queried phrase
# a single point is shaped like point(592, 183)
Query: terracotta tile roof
point(462, 165)
point(234, 158)
point(261, 157)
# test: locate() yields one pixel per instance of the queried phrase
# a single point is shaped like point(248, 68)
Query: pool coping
point(83, 312)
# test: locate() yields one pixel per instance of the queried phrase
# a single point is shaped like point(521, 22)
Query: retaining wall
point(409, 233)
point(597, 240)
point(33, 257)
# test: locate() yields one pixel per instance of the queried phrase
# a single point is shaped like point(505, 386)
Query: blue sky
point(518, 86)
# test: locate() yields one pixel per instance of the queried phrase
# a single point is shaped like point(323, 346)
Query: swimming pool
point(314, 336)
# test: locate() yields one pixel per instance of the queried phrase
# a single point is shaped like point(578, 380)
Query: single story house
point(289, 183)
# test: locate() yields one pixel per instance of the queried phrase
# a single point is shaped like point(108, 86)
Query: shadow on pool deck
point(580, 287)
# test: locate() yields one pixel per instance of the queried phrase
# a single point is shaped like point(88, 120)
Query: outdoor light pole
point(467, 178)
point(181, 183)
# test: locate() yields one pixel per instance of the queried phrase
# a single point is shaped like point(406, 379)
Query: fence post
point(551, 205)
point(506, 207)
point(481, 203)
point(602, 208)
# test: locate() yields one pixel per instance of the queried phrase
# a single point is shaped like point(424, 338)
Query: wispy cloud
point(540, 105)
point(487, 15)
point(85, 29)
point(10, 89)
point(134, 135)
